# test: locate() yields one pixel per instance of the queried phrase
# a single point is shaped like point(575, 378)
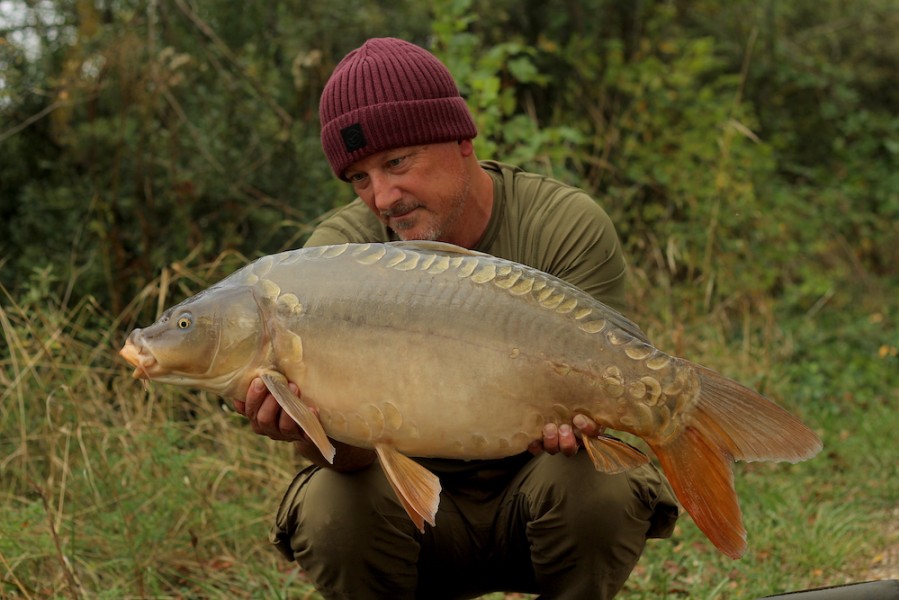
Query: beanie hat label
point(353, 137)
point(388, 94)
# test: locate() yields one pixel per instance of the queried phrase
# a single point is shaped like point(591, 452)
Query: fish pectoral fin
point(417, 488)
point(299, 412)
point(612, 456)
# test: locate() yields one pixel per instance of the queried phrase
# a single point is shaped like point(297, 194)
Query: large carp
point(427, 349)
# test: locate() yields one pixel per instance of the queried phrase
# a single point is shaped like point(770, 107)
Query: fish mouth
point(137, 358)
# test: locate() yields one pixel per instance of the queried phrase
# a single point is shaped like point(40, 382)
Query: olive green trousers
point(549, 525)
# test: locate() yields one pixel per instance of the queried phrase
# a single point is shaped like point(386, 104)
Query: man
point(396, 128)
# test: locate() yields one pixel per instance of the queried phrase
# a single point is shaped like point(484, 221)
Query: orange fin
point(612, 456)
point(700, 474)
point(417, 488)
point(299, 412)
point(728, 422)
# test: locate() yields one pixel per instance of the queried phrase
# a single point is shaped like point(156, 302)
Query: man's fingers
point(257, 390)
point(268, 413)
point(560, 438)
point(551, 438)
point(567, 440)
point(586, 425)
point(256, 394)
point(287, 425)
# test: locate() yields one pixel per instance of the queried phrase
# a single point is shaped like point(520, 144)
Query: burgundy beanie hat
point(388, 94)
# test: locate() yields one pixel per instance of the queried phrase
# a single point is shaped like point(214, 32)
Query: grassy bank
point(111, 489)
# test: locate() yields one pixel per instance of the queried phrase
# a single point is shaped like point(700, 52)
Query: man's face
point(420, 192)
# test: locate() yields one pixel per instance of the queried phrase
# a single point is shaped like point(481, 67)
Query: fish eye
point(184, 321)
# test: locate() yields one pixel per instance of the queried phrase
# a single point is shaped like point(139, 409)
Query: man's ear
point(466, 147)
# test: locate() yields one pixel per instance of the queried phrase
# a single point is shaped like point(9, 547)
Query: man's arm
point(582, 247)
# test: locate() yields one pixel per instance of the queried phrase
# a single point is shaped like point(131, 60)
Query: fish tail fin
point(728, 422)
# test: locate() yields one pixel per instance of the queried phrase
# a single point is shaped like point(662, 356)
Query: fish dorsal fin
point(417, 488)
point(612, 456)
point(299, 412)
point(429, 246)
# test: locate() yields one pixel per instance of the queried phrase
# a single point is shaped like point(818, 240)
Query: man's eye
point(356, 177)
point(395, 162)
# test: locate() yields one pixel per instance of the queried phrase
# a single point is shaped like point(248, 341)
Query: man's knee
point(571, 494)
point(349, 533)
point(586, 529)
point(327, 510)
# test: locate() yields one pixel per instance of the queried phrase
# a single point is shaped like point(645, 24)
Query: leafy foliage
point(171, 131)
point(731, 144)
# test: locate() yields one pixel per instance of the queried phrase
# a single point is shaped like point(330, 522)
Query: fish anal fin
point(610, 455)
point(417, 488)
point(299, 412)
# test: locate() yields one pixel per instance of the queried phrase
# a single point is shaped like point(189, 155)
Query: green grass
point(110, 489)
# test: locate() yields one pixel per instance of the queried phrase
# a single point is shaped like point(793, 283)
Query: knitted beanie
point(388, 94)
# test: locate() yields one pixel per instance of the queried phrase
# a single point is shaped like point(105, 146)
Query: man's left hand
point(564, 438)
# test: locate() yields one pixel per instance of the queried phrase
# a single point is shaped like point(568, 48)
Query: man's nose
point(384, 192)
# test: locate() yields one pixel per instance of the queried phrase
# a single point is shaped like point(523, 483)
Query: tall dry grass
point(112, 488)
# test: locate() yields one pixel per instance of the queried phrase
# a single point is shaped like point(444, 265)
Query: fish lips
point(133, 353)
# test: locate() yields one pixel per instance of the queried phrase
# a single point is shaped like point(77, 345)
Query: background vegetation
point(747, 151)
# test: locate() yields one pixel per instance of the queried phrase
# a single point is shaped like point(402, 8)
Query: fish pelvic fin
point(728, 422)
point(417, 488)
point(299, 412)
point(610, 455)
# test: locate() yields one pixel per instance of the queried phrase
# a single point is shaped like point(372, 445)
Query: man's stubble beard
point(457, 207)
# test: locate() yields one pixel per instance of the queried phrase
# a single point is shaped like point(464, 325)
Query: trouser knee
point(587, 529)
point(329, 509)
point(345, 529)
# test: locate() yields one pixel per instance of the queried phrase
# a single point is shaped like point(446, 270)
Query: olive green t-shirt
point(536, 220)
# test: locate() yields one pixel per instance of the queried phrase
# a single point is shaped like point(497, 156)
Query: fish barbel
point(430, 350)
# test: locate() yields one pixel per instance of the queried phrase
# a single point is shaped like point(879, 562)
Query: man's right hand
point(268, 418)
point(266, 415)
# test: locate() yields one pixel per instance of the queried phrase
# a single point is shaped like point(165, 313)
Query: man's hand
point(266, 416)
point(563, 438)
